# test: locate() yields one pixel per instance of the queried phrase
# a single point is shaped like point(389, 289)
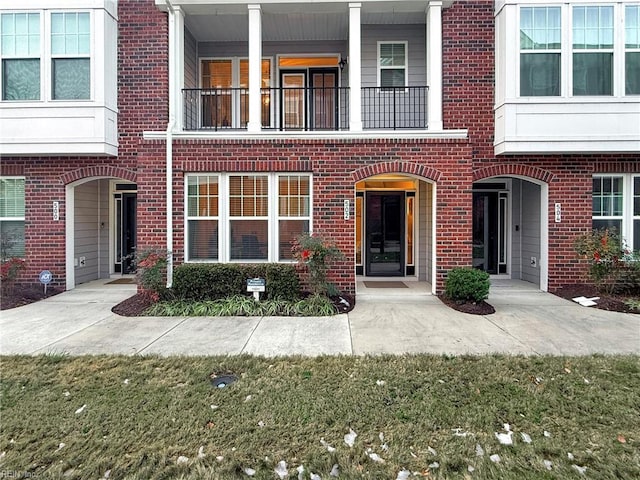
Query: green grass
point(143, 413)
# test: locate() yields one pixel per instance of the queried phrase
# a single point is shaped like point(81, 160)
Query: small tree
point(315, 254)
point(9, 271)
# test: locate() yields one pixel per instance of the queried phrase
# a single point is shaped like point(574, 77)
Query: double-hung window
point(616, 204)
point(540, 46)
point(247, 217)
point(632, 49)
point(392, 64)
point(593, 50)
point(70, 63)
point(20, 50)
point(11, 217)
point(46, 55)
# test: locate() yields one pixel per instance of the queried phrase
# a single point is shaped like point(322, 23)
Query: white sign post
point(256, 285)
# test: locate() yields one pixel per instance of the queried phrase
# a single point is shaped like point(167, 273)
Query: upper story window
point(45, 55)
point(70, 65)
point(632, 50)
point(20, 51)
point(392, 64)
point(540, 46)
point(574, 50)
point(593, 50)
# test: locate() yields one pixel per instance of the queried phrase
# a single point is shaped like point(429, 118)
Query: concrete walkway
point(526, 321)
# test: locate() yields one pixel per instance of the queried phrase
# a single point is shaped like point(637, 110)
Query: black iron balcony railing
point(310, 109)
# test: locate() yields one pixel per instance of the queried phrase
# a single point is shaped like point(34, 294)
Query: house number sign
point(56, 211)
point(347, 210)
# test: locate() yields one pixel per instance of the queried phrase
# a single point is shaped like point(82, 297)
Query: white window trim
point(379, 67)
point(224, 218)
point(626, 50)
point(563, 36)
point(627, 216)
point(46, 58)
point(567, 50)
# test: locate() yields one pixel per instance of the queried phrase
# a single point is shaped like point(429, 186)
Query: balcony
point(305, 109)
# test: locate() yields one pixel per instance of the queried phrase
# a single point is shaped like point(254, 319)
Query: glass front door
point(125, 237)
point(490, 232)
point(385, 219)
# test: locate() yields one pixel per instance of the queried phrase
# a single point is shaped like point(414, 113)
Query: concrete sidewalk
point(527, 322)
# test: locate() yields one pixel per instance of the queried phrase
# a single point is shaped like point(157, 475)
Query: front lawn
point(414, 416)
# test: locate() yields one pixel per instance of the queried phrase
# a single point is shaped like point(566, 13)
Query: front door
point(490, 232)
point(384, 231)
point(125, 237)
point(309, 99)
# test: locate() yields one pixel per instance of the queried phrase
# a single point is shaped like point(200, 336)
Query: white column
point(434, 65)
point(176, 66)
point(255, 68)
point(355, 68)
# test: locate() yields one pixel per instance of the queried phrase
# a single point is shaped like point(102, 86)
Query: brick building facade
point(448, 185)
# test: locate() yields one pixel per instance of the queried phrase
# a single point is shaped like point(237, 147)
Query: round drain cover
point(223, 380)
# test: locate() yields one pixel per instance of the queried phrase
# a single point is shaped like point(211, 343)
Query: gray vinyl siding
point(91, 238)
point(414, 35)
point(530, 231)
point(190, 61)
point(516, 228)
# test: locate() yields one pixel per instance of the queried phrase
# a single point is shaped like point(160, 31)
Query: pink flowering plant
point(315, 254)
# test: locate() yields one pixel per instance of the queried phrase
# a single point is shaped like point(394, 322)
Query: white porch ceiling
point(295, 21)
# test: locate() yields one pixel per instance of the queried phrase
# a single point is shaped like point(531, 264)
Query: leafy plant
point(315, 254)
point(467, 285)
point(611, 262)
point(151, 275)
point(212, 281)
point(9, 271)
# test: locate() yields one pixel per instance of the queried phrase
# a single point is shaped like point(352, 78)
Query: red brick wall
point(336, 166)
point(142, 104)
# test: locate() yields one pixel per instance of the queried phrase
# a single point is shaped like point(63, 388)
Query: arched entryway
point(394, 228)
point(510, 223)
point(100, 224)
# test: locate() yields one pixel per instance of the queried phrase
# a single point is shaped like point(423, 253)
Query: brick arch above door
point(408, 168)
point(98, 171)
point(513, 169)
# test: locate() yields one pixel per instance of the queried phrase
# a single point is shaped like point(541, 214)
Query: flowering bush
point(315, 254)
point(9, 270)
point(151, 272)
point(609, 257)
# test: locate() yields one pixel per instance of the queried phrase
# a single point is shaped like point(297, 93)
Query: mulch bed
point(613, 303)
point(19, 295)
point(474, 308)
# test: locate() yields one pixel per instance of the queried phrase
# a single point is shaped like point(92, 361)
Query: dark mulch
point(474, 308)
point(613, 303)
point(133, 306)
point(19, 295)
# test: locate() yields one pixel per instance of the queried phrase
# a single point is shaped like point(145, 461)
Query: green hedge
point(211, 281)
point(467, 284)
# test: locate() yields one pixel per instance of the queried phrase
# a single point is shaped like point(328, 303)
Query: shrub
point(151, 272)
point(9, 271)
point(612, 265)
point(467, 284)
point(212, 281)
point(315, 254)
